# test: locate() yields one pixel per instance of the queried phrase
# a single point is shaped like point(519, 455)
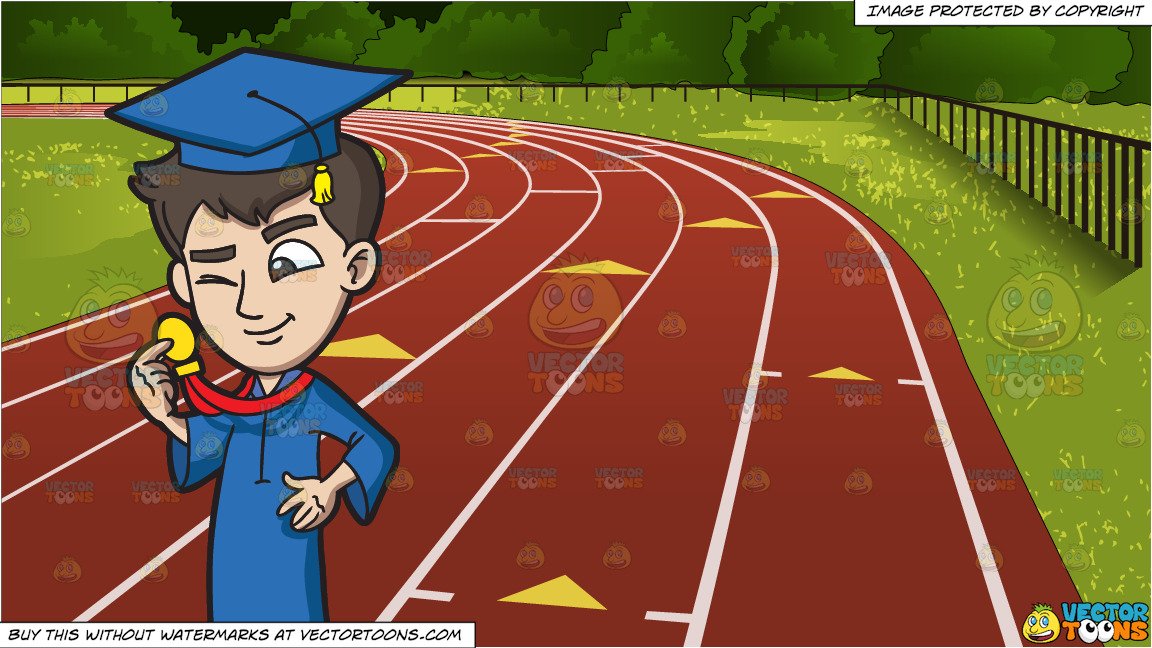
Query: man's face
point(276, 291)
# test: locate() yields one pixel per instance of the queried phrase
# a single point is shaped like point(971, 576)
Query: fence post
point(1099, 166)
point(488, 94)
point(1059, 165)
point(1031, 158)
point(937, 118)
point(1124, 206)
point(783, 94)
point(964, 113)
point(1111, 195)
point(992, 142)
point(749, 94)
point(924, 110)
point(1044, 158)
point(817, 94)
point(1016, 163)
point(1138, 214)
point(951, 123)
point(1070, 170)
point(454, 89)
point(717, 94)
point(1084, 153)
point(1004, 145)
point(978, 161)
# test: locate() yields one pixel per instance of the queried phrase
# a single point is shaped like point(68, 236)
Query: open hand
point(316, 499)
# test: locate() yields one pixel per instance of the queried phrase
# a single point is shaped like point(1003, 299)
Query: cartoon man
point(271, 231)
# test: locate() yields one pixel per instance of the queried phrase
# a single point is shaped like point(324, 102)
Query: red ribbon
point(207, 398)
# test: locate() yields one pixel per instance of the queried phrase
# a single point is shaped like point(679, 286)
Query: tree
point(1133, 81)
point(1023, 64)
point(802, 42)
point(548, 42)
point(666, 42)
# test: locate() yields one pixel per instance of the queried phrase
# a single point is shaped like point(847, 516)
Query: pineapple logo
point(1036, 309)
point(106, 326)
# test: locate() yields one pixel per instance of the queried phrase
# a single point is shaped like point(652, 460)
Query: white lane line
point(772, 374)
point(139, 574)
point(564, 191)
point(421, 572)
point(187, 538)
point(376, 295)
point(120, 308)
point(992, 581)
point(670, 617)
point(463, 220)
point(618, 171)
point(429, 595)
point(70, 379)
point(905, 381)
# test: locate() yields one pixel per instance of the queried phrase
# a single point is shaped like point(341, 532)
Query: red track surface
point(718, 558)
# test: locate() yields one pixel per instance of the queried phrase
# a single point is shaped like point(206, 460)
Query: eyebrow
point(215, 255)
point(287, 225)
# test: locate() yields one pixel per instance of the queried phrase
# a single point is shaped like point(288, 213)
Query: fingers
point(305, 513)
point(153, 353)
point(317, 521)
point(292, 482)
point(292, 502)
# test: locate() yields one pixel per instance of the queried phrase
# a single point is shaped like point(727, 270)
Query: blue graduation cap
point(253, 111)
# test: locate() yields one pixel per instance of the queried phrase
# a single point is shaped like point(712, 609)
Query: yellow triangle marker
point(519, 134)
point(561, 591)
point(507, 143)
point(437, 170)
point(370, 346)
point(781, 194)
point(607, 267)
point(480, 155)
point(724, 223)
point(840, 373)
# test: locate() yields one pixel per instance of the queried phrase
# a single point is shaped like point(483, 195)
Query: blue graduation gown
point(259, 567)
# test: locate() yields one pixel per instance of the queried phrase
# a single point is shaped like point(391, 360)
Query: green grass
point(69, 217)
point(894, 171)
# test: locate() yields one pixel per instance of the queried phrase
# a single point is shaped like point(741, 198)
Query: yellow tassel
point(322, 185)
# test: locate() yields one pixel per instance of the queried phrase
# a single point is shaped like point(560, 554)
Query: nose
point(240, 301)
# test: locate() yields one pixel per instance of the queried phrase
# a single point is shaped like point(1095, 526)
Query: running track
point(767, 506)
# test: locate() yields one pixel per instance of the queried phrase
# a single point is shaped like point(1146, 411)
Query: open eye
point(1041, 301)
point(1106, 631)
point(1087, 631)
point(1012, 299)
point(291, 257)
point(582, 299)
point(553, 295)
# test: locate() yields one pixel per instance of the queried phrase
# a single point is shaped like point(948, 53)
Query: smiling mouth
point(279, 326)
point(1040, 636)
point(1035, 337)
point(577, 333)
point(112, 348)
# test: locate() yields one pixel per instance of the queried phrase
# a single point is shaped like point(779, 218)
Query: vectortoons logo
point(530, 556)
point(99, 337)
point(1035, 310)
point(1091, 623)
point(573, 311)
point(1041, 625)
point(617, 556)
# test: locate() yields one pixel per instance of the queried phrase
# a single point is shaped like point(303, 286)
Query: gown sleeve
point(193, 463)
point(371, 452)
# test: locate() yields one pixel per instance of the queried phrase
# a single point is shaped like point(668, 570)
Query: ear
point(362, 258)
point(178, 283)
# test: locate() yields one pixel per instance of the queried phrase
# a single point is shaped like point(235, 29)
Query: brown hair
point(174, 192)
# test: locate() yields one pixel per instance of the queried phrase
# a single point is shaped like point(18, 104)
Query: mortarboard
point(253, 111)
